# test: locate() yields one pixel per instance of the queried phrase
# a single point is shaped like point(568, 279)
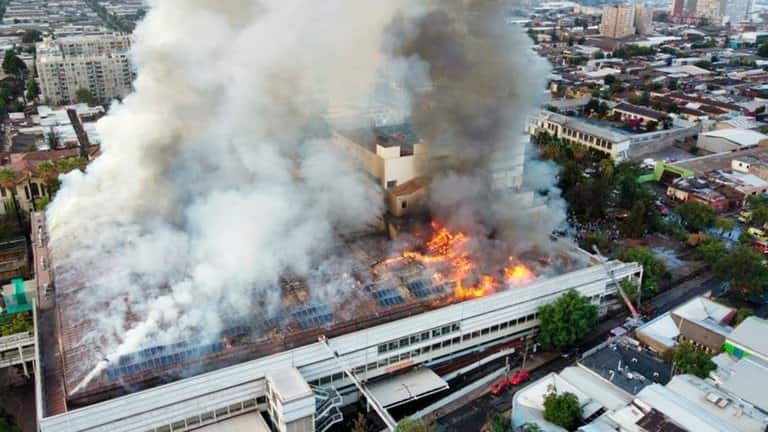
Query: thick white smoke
point(217, 176)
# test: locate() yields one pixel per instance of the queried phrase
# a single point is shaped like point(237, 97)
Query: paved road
point(472, 415)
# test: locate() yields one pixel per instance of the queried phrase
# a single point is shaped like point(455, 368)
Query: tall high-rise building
point(713, 10)
point(99, 64)
point(738, 10)
point(677, 7)
point(618, 21)
point(643, 19)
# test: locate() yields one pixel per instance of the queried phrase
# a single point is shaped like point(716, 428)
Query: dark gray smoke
point(485, 80)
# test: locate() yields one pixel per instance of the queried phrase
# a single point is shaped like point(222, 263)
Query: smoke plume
point(217, 175)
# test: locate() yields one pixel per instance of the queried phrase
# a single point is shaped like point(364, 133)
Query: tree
point(83, 95)
point(696, 216)
point(609, 80)
point(743, 268)
point(653, 268)
point(689, 359)
point(635, 225)
point(410, 425)
point(763, 50)
point(31, 36)
point(16, 323)
point(499, 423)
point(566, 320)
point(13, 65)
point(41, 203)
point(562, 409)
point(7, 424)
point(724, 224)
point(711, 251)
point(742, 314)
point(33, 90)
point(760, 215)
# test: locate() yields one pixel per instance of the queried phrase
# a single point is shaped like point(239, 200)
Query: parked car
point(499, 387)
point(572, 352)
point(519, 377)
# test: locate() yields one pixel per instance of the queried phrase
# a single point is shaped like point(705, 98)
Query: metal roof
point(752, 335)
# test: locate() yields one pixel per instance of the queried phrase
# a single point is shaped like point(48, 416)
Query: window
point(446, 343)
point(435, 347)
point(456, 340)
point(250, 403)
point(221, 412)
point(495, 328)
point(392, 346)
point(425, 336)
point(166, 428)
point(425, 349)
point(405, 356)
point(382, 363)
point(435, 333)
point(337, 377)
point(404, 204)
point(475, 334)
point(207, 416)
point(466, 337)
point(403, 342)
point(503, 325)
point(415, 352)
point(393, 360)
point(455, 327)
point(414, 339)
point(485, 331)
point(179, 425)
point(382, 348)
point(445, 330)
point(391, 184)
point(371, 366)
point(193, 421)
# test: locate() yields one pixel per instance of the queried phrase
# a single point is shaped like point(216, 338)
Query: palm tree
point(8, 180)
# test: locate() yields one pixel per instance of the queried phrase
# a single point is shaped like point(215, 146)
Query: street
point(472, 415)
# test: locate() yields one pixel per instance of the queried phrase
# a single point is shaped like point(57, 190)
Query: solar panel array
point(423, 288)
point(313, 315)
point(388, 297)
point(160, 357)
point(237, 330)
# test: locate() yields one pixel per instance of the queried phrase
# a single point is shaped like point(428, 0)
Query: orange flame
point(518, 274)
point(446, 252)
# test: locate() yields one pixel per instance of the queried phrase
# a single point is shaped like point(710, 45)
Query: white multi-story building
point(100, 64)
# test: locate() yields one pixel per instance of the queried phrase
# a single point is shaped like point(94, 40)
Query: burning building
point(420, 308)
point(216, 272)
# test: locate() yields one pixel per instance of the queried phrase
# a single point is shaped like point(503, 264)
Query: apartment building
point(618, 21)
point(100, 64)
point(713, 10)
point(643, 20)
